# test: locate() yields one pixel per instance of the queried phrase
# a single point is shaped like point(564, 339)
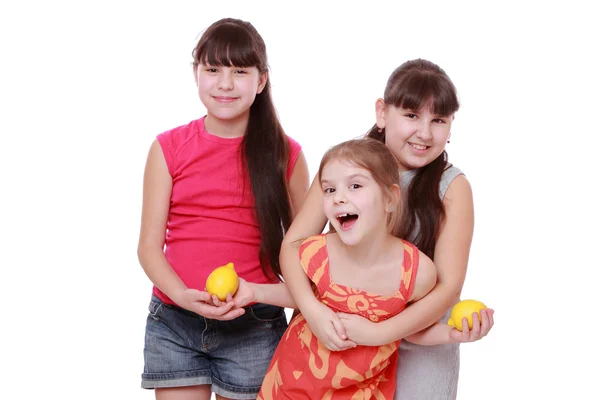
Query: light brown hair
point(375, 157)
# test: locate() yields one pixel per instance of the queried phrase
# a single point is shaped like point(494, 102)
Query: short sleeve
point(294, 152)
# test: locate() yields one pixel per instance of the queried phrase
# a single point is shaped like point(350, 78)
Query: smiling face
point(228, 92)
point(416, 138)
point(353, 202)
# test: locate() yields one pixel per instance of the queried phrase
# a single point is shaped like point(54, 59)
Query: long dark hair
point(412, 85)
point(265, 151)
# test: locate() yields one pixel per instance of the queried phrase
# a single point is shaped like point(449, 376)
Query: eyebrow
point(351, 177)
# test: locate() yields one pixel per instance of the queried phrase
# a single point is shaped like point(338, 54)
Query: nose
point(339, 197)
point(225, 80)
point(424, 131)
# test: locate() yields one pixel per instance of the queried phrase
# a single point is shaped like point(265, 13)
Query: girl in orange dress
point(354, 269)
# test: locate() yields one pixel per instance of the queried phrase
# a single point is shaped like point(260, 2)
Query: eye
point(411, 115)
point(241, 71)
point(328, 190)
point(211, 70)
point(439, 121)
point(355, 186)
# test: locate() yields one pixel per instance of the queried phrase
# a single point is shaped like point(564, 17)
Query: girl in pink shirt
point(222, 188)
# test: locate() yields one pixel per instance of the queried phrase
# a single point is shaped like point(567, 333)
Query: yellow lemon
point(465, 309)
point(222, 280)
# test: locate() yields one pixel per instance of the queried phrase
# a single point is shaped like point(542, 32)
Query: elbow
point(146, 251)
point(448, 291)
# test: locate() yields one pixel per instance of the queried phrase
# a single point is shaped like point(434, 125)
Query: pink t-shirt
point(211, 218)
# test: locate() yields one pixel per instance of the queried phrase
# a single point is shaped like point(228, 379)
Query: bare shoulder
point(459, 190)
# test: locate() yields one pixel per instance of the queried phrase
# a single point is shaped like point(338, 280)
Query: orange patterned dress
point(303, 368)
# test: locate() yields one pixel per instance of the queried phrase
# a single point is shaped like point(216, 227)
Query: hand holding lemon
point(222, 280)
point(465, 309)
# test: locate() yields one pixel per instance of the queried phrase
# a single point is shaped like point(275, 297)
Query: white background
point(86, 86)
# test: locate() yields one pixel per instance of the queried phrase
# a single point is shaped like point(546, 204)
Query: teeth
point(418, 146)
point(342, 215)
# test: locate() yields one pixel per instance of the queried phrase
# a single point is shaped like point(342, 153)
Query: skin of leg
point(222, 398)
point(201, 392)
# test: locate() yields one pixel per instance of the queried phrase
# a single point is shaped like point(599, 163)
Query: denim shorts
point(185, 349)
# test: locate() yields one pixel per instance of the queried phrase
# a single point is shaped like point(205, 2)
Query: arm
point(310, 221)
point(278, 294)
point(298, 185)
point(440, 333)
point(451, 257)
point(158, 185)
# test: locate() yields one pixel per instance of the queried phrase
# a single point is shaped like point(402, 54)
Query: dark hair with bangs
point(265, 150)
point(375, 157)
point(415, 84)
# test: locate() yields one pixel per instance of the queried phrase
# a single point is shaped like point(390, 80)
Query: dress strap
point(315, 260)
point(410, 265)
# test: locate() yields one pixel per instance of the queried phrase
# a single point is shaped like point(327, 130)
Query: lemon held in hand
point(465, 309)
point(222, 280)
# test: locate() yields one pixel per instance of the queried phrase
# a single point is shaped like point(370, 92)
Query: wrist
point(309, 305)
point(176, 293)
point(258, 295)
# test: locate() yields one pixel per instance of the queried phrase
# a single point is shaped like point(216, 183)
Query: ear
point(393, 202)
point(262, 81)
point(380, 113)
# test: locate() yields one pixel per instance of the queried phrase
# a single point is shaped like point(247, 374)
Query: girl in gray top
point(413, 119)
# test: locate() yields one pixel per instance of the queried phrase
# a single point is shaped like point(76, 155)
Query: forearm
point(438, 333)
point(418, 316)
point(160, 272)
point(276, 294)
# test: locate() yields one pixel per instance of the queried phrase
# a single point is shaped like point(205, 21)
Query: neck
point(372, 250)
point(230, 128)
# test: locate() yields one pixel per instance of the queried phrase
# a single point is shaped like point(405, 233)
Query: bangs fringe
point(417, 90)
point(229, 46)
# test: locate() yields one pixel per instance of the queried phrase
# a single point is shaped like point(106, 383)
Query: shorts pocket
point(155, 308)
point(266, 312)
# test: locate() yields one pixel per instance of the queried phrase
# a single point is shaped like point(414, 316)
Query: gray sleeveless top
point(428, 372)
point(447, 178)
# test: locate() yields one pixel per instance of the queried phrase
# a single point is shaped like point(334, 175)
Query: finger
point(490, 320)
point(340, 329)
point(233, 314)
point(197, 295)
point(348, 344)
point(464, 337)
point(223, 309)
point(332, 347)
point(216, 301)
point(213, 312)
point(485, 322)
point(229, 297)
point(345, 345)
point(337, 341)
point(475, 332)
